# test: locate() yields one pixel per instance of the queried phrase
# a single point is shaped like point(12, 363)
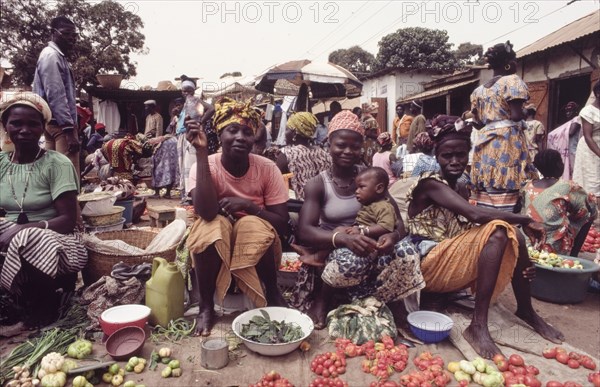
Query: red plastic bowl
point(125, 342)
point(115, 318)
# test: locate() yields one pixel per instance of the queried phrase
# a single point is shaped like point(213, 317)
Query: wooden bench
point(161, 216)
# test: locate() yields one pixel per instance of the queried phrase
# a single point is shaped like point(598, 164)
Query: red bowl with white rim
point(115, 318)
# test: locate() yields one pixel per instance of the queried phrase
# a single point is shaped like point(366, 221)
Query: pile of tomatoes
point(515, 371)
point(572, 359)
point(592, 241)
point(290, 265)
point(382, 359)
point(272, 379)
point(328, 382)
point(431, 372)
point(329, 364)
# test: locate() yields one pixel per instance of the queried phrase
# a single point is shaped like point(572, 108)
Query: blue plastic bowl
point(430, 327)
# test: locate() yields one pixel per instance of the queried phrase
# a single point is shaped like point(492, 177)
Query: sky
point(208, 38)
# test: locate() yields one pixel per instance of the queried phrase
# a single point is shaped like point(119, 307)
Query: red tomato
point(595, 379)
point(549, 353)
point(574, 355)
point(562, 357)
point(588, 363)
point(572, 363)
point(554, 383)
point(516, 360)
point(497, 357)
point(572, 384)
point(502, 365)
point(532, 370)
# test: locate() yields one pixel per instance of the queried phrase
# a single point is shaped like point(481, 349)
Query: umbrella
point(324, 79)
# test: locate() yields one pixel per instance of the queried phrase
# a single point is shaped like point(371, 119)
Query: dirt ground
point(580, 323)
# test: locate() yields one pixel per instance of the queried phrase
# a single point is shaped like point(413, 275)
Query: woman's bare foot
point(479, 337)
point(318, 313)
point(205, 321)
point(308, 257)
point(544, 329)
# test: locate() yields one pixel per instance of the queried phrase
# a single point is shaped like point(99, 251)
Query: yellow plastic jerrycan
point(165, 292)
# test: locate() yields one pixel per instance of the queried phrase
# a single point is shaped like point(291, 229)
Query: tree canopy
point(231, 74)
point(109, 34)
point(416, 48)
point(469, 53)
point(354, 59)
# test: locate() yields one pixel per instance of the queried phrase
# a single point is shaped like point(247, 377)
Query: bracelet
point(45, 224)
point(333, 239)
point(367, 231)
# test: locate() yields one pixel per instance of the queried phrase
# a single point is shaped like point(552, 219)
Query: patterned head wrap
point(229, 111)
point(304, 123)
point(423, 142)
point(445, 128)
point(28, 99)
point(346, 120)
point(370, 123)
point(384, 139)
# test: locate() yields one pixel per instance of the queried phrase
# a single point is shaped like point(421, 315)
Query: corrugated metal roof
point(435, 92)
point(577, 29)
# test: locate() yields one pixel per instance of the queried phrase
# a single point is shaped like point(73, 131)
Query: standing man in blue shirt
point(55, 83)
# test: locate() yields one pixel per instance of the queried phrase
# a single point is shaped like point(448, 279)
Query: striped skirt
point(49, 252)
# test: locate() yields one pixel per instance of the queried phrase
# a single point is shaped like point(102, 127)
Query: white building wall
point(393, 86)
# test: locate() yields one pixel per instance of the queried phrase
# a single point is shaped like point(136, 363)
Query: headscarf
point(304, 123)
point(229, 111)
point(99, 126)
point(446, 127)
point(384, 139)
point(370, 123)
point(28, 99)
point(423, 142)
point(346, 120)
point(371, 108)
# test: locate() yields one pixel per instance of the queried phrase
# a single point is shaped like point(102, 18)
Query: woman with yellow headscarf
point(300, 156)
point(241, 200)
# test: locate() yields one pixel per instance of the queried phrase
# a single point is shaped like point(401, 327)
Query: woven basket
point(100, 264)
point(115, 215)
point(110, 81)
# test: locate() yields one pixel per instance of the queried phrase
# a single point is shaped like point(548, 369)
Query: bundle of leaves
point(262, 329)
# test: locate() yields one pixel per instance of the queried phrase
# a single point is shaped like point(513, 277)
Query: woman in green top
point(40, 250)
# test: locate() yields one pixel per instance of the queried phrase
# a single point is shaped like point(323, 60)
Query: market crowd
point(438, 204)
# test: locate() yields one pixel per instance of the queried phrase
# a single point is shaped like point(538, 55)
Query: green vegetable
point(139, 368)
point(79, 381)
point(68, 364)
point(165, 360)
point(129, 383)
point(80, 349)
point(461, 375)
point(107, 377)
point(493, 380)
point(166, 372)
point(467, 367)
point(133, 361)
point(117, 380)
point(154, 359)
point(262, 329)
point(176, 331)
point(114, 369)
point(57, 379)
point(479, 364)
point(129, 367)
point(174, 364)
